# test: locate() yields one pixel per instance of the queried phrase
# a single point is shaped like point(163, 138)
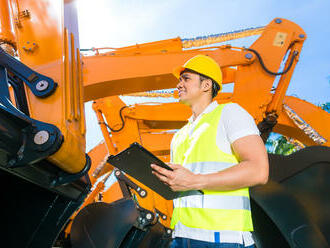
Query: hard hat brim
point(177, 71)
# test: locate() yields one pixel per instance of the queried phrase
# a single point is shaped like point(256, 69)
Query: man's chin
point(184, 101)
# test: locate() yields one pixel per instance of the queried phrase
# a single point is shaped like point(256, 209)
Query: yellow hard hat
point(204, 65)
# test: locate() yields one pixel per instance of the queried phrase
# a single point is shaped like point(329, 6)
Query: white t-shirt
point(235, 123)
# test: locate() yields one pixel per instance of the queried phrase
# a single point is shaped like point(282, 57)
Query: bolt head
point(249, 56)
point(164, 217)
point(142, 193)
point(12, 162)
point(42, 85)
point(41, 137)
point(301, 36)
point(278, 21)
point(117, 173)
point(149, 216)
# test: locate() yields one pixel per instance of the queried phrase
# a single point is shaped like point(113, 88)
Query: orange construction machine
point(55, 193)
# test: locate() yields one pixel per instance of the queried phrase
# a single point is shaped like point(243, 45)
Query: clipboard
point(136, 160)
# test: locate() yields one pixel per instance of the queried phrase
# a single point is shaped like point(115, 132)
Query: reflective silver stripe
point(208, 167)
point(226, 236)
point(215, 202)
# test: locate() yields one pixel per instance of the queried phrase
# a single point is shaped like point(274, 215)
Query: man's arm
point(252, 170)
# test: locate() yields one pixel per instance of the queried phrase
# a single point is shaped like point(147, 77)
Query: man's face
point(189, 88)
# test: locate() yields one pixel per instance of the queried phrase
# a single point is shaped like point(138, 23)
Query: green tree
point(326, 106)
point(278, 144)
point(284, 147)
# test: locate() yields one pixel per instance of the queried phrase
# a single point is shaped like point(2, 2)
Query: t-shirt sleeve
point(238, 122)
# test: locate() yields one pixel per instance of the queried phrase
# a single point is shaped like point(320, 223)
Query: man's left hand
point(180, 179)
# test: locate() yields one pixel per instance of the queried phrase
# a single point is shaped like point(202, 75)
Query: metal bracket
point(40, 85)
point(21, 15)
point(125, 182)
point(145, 219)
point(25, 140)
point(162, 215)
point(266, 125)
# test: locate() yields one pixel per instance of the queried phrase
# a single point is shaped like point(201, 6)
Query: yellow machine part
point(51, 47)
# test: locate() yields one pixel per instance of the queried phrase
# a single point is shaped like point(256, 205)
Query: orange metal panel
point(314, 116)
point(7, 34)
point(128, 74)
point(45, 45)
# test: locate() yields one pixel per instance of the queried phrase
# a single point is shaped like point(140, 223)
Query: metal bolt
point(149, 216)
point(143, 193)
point(41, 137)
point(301, 36)
point(169, 231)
point(164, 217)
point(42, 85)
point(117, 173)
point(249, 56)
point(12, 162)
point(278, 21)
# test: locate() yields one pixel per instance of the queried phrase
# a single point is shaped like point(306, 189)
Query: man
point(219, 151)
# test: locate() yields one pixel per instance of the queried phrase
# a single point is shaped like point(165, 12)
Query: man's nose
point(180, 84)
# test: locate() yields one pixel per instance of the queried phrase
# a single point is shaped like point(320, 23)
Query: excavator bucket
point(292, 210)
point(118, 224)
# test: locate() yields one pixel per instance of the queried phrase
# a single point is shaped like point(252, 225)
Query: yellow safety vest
point(215, 210)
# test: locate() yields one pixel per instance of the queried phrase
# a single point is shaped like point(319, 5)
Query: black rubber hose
point(295, 53)
point(122, 121)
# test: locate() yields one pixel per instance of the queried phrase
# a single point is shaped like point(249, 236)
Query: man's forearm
point(244, 174)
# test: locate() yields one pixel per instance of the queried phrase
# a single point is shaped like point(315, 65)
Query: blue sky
point(106, 23)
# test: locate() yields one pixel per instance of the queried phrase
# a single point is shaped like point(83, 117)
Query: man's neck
point(198, 107)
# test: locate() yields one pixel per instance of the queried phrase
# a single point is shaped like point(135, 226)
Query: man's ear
point(207, 85)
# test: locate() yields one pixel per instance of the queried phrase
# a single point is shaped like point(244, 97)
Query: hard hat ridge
point(203, 65)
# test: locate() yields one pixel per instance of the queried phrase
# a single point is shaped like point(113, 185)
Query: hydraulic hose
point(294, 55)
point(122, 121)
